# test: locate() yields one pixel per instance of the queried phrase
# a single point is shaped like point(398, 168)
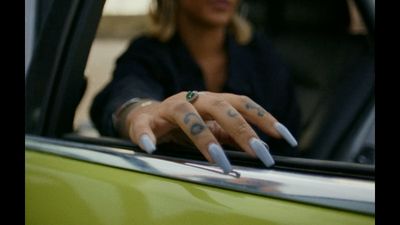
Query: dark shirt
point(152, 69)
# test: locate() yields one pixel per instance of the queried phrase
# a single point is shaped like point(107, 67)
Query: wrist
point(119, 117)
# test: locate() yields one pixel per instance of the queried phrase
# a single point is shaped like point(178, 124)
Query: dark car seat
point(332, 68)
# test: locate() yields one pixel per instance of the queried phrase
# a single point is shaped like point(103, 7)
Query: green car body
point(62, 189)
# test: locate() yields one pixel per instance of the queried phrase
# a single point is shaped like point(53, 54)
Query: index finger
point(191, 123)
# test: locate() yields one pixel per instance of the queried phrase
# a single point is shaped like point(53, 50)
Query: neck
point(197, 38)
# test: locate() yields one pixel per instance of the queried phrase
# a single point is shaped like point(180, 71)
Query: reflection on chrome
point(233, 173)
point(338, 192)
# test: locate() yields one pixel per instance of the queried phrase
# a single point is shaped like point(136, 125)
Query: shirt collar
point(240, 67)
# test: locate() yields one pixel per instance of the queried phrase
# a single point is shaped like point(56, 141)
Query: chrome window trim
point(30, 20)
point(330, 191)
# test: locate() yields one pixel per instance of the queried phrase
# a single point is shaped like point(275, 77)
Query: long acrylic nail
point(285, 134)
point(147, 144)
point(262, 152)
point(266, 145)
point(219, 157)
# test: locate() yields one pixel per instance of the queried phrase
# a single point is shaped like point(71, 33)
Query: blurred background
point(122, 20)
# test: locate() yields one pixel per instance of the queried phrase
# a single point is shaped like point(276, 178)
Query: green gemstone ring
point(191, 96)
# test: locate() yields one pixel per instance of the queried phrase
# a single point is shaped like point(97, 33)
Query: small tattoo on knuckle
point(196, 128)
point(250, 105)
point(260, 111)
point(186, 118)
point(232, 113)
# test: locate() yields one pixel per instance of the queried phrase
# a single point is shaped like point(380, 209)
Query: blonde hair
point(163, 22)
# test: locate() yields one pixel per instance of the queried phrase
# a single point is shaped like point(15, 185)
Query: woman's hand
point(211, 119)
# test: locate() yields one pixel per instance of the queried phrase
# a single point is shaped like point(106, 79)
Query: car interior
point(332, 67)
point(330, 58)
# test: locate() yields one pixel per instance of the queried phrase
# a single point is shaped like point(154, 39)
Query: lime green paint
point(65, 191)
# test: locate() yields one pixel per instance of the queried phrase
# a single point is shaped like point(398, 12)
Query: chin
point(219, 20)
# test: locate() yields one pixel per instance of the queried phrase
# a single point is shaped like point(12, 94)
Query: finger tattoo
point(198, 126)
point(260, 111)
point(186, 119)
point(232, 113)
point(251, 105)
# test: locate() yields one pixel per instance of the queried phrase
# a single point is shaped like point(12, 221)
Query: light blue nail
point(266, 145)
point(285, 134)
point(147, 144)
point(262, 152)
point(219, 157)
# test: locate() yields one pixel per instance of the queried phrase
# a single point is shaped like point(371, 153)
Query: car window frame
point(55, 80)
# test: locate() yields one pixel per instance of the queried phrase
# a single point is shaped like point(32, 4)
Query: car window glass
point(325, 44)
